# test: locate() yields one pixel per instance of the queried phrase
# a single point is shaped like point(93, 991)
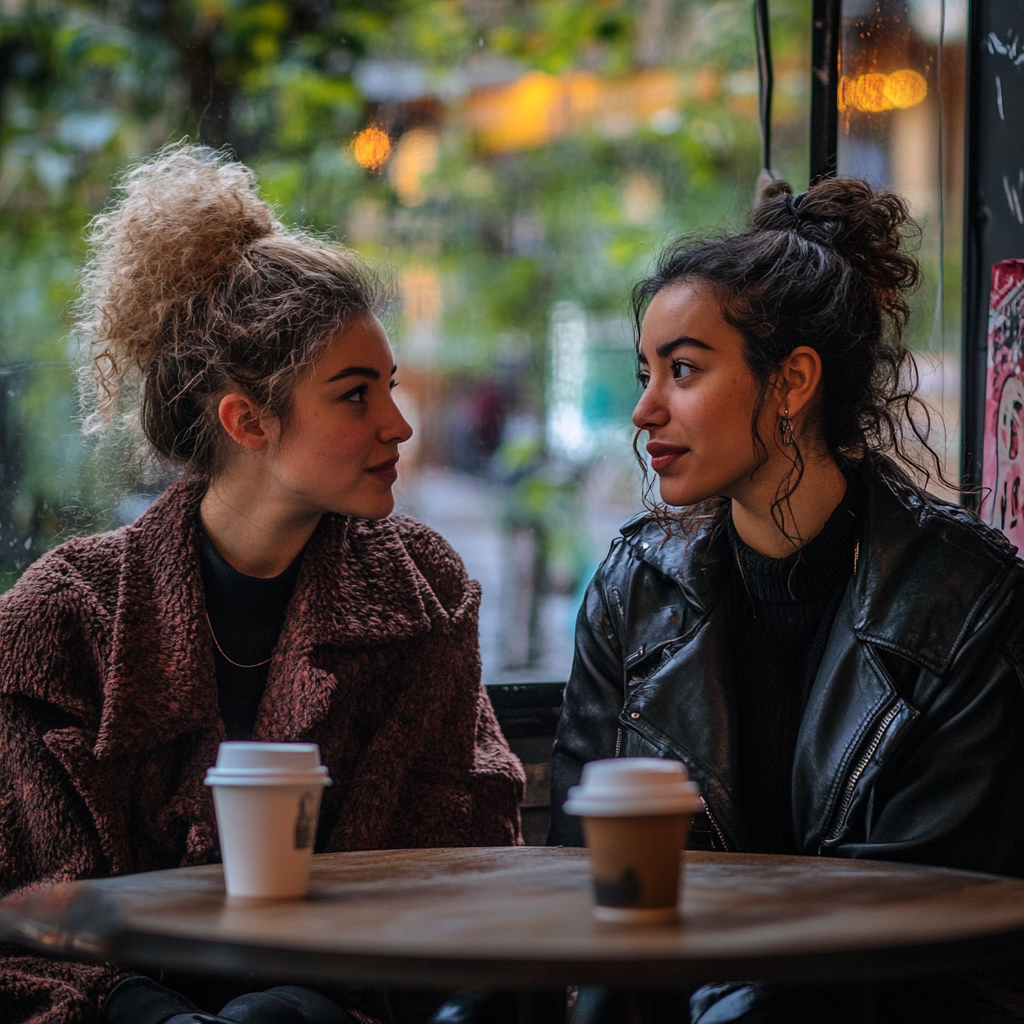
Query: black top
point(782, 611)
point(246, 615)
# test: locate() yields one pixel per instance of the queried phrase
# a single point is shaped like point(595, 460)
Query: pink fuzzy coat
point(109, 714)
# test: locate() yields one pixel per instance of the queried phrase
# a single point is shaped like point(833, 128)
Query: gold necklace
point(237, 664)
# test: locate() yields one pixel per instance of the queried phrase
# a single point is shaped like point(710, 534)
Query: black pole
point(826, 16)
point(975, 286)
point(766, 80)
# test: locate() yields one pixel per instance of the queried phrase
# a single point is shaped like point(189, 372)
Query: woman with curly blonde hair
point(267, 595)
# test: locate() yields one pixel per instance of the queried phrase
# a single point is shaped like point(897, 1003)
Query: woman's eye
point(392, 384)
point(355, 395)
point(681, 369)
point(643, 379)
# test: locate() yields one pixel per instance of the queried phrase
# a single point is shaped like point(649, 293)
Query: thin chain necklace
point(237, 664)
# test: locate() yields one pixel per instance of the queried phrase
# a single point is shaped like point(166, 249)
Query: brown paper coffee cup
point(637, 865)
point(636, 816)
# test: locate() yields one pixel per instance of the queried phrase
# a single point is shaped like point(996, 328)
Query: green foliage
point(90, 87)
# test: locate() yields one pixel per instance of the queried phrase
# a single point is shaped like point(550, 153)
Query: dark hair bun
point(864, 226)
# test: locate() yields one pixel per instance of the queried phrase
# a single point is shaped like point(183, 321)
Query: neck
point(254, 534)
point(817, 496)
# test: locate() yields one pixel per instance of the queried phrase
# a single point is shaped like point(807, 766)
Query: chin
point(677, 494)
point(371, 509)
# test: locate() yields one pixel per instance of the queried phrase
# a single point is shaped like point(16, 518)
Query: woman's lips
point(663, 455)
point(386, 470)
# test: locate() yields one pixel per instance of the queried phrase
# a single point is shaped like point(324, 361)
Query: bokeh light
point(371, 148)
point(875, 92)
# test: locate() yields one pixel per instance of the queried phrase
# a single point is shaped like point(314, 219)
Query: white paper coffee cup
point(636, 814)
point(267, 797)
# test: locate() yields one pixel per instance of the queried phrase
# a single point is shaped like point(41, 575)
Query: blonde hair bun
point(179, 224)
point(194, 288)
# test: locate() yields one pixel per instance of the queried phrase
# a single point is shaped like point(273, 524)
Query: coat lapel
point(160, 682)
point(358, 589)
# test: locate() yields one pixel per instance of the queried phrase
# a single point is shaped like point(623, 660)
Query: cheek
point(721, 412)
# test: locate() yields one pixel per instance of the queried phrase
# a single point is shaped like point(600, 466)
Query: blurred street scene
point(515, 164)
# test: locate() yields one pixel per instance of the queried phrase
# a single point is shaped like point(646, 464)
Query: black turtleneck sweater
point(246, 615)
point(782, 610)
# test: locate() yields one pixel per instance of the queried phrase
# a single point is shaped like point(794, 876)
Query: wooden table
point(522, 918)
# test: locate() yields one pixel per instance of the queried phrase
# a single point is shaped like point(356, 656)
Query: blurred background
point(516, 163)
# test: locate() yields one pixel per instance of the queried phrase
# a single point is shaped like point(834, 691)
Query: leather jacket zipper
point(839, 819)
point(707, 810)
point(714, 825)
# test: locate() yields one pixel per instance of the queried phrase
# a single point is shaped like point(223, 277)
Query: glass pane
point(515, 164)
point(901, 125)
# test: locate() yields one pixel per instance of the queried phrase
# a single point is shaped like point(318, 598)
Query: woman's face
point(339, 450)
point(698, 400)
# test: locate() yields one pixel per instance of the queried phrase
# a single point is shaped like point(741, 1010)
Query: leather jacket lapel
point(678, 681)
point(685, 706)
point(852, 718)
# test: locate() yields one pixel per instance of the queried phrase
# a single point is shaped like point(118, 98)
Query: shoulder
point(438, 563)
point(931, 573)
point(666, 551)
point(910, 526)
point(84, 567)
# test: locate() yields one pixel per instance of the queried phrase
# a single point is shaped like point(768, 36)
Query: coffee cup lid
point(247, 764)
point(625, 786)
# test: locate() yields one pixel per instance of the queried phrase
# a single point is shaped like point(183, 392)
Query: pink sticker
point(1003, 466)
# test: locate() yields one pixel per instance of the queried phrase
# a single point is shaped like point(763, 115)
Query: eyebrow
point(359, 371)
point(668, 347)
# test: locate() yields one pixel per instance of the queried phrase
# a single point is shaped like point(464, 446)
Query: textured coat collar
point(358, 586)
point(919, 607)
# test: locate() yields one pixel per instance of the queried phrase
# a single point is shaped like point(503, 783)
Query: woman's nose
point(396, 427)
point(649, 411)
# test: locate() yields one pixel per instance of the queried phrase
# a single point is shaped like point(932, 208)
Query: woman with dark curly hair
point(835, 654)
point(267, 595)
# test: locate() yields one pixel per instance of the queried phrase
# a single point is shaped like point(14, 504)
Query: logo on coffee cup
point(623, 891)
point(305, 824)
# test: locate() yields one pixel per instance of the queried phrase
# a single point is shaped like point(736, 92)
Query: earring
point(786, 429)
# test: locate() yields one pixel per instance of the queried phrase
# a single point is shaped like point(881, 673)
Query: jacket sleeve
point(588, 727)
point(464, 785)
point(953, 793)
point(478, 771)
point(438, 771)
point(46, 833)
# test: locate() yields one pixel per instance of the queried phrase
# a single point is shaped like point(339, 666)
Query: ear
point(243, 419)
point(798, 380)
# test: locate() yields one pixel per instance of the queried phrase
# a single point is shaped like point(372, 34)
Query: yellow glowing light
point(537, 108)
point(876, 92)
point(871, 93)
point(846, 97)
point(905, 88)
point(371, 148)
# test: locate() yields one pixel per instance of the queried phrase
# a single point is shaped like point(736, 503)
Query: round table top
point(522, 916)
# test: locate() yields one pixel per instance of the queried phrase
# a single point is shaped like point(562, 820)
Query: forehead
point(681, 309)
point(361, 342)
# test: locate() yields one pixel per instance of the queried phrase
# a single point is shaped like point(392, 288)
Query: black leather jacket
point(911, 746)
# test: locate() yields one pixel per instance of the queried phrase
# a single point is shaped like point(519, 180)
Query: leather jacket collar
point(931, 623)
point(898, 605)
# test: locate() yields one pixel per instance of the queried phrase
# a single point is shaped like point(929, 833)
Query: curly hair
point(829, 270)
point(194, 288)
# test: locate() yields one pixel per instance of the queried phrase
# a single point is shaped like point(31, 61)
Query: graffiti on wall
point(1003, 468)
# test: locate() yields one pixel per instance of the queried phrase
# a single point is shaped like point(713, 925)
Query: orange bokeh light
point(906, 88)
point(371, 148)
point(870, 93)
point(876, 92)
